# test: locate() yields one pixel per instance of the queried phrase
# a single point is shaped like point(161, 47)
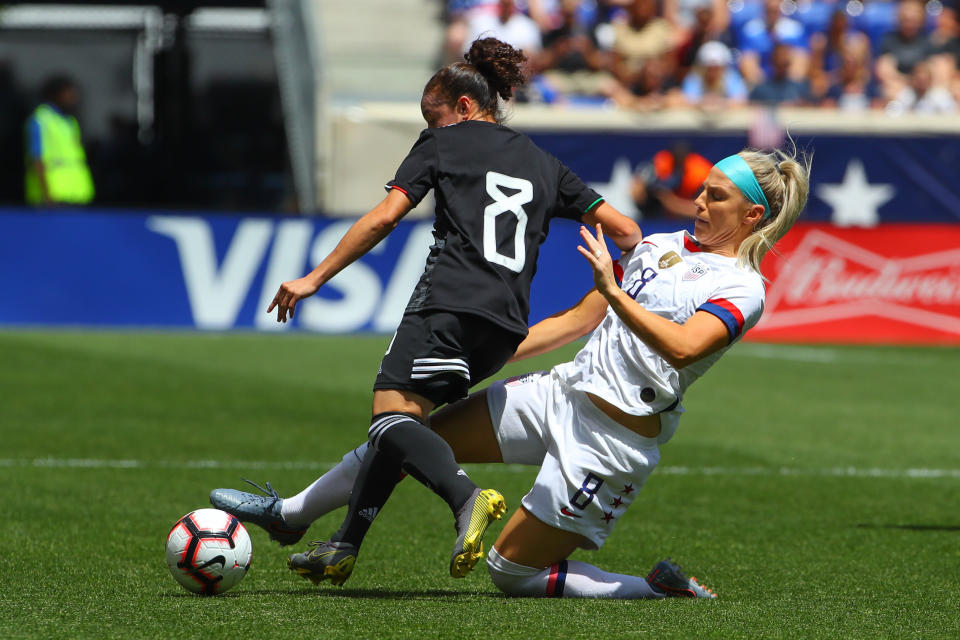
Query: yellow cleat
point(331, 561)
point(483, 508)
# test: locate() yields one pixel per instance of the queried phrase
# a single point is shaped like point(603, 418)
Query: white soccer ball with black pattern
point(208, 551)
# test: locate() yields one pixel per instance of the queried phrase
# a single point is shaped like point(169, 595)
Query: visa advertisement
point(115, 269)
point(894, 283)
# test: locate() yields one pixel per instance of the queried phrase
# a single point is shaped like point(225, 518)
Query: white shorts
point(591, 467)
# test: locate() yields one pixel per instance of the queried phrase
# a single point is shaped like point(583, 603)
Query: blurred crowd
point(900, 56)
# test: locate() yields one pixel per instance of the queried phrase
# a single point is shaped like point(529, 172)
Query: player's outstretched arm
point(563, 327)
point(624, 231)
point(359, 239)
point(678, 344)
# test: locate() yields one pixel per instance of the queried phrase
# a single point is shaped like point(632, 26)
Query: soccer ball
point(208, 551)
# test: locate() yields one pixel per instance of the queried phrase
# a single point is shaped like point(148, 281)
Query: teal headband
point(740, 173)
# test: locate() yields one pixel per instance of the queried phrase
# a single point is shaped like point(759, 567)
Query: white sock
point(328, 492)
point(567, 579)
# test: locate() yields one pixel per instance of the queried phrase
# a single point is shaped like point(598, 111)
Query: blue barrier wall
point(121, 269)
point(856, 179)
point(132, 269)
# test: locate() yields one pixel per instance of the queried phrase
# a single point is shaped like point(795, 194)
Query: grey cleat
point(263, 511)
point(668, 579)
point(325, 561)
point(481, 509)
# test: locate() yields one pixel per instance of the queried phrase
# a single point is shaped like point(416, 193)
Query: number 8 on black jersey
point(496, 193)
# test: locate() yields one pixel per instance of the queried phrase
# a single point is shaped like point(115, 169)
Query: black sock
point(423, 454)
point(379, 474)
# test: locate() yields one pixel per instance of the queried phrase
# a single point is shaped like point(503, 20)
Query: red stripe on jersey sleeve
point(618, 272)
point(729, 306)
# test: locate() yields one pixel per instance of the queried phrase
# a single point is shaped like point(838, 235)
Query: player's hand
point(289, 294)
point(599, 258)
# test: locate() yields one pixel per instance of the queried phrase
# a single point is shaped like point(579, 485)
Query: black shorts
point(440, 354)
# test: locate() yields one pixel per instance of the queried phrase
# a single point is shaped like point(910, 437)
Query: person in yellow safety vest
point(57, 171)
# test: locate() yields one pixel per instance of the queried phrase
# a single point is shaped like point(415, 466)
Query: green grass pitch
point(816, 489)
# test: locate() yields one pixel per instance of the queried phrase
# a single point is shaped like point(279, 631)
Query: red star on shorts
point(616, 502)
point(628, 488)
point(607, 516)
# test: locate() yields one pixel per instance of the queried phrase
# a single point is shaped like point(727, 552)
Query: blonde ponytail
point(785, 181)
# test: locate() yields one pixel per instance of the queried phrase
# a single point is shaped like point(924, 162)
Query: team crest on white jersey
point(669, 259)
point(696, 271)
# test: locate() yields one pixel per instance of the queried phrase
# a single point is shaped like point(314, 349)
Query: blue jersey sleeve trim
point(733, 327)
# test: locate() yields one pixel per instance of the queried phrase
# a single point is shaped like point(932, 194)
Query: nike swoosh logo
point(220, 560)
point(567, 512)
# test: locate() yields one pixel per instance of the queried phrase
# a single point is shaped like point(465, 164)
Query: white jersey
point(670, 276)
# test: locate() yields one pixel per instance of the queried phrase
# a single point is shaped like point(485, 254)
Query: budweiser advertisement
point(887, 284)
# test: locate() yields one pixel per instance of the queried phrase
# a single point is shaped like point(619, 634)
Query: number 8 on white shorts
point(591, 468)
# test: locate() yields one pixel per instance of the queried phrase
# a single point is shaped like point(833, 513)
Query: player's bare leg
point(467, 428)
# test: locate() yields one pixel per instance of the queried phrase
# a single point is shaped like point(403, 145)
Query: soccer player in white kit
point(594, 425)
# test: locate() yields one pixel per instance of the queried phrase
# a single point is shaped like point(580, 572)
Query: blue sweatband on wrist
point(740, 173)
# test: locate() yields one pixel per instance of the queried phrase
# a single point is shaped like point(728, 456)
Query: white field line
point(266, 465)
point(780, 352)
point(829, 355)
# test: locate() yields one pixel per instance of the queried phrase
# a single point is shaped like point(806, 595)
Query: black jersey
point(496, 192)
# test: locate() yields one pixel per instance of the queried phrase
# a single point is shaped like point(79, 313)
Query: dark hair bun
point(499, 63)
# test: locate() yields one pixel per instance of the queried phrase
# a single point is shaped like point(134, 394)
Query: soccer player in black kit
point(496, 193)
